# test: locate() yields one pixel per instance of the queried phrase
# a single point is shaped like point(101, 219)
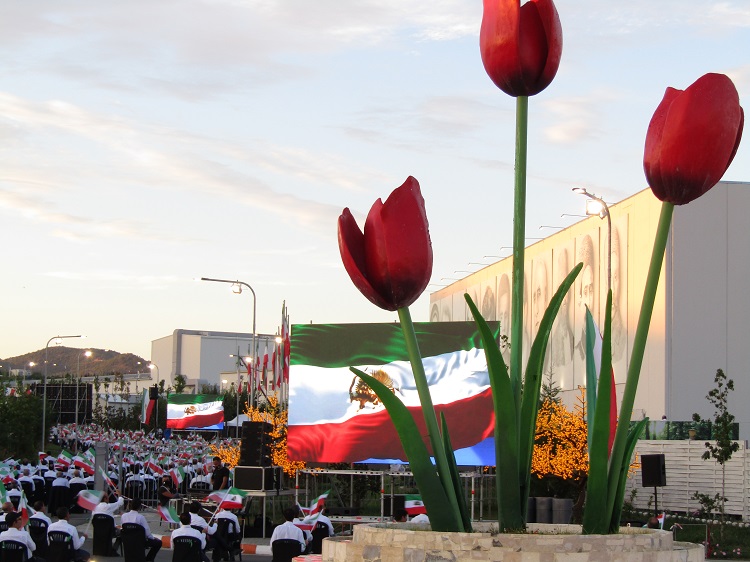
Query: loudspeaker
point(255, 447)
point(153, 393)
point(257, 477)
point(653, 471)
point(399, 500)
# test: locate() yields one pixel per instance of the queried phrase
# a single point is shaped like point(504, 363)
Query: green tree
point(723, 448)
point(180, 381)
point(20, 420)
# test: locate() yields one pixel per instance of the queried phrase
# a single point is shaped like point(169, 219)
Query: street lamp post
point(600, 208)
point(87, 353)
point(238, 289)
point(44, 386)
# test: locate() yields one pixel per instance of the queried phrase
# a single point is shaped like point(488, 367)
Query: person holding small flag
point(288, 530)
point(104, 506)
point(167, 491)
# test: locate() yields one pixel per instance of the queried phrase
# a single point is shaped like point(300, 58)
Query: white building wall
point(699, 322)
point(203, 357)
point(711, 269)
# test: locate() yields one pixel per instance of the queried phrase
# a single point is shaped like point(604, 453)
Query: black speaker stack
point(255, 447)
point(262, 478)
point(653, 471)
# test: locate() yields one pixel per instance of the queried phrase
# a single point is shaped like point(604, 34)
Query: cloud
point(575, 118)
point(88, 146)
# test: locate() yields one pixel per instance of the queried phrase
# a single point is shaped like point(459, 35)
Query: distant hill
point(64, 360)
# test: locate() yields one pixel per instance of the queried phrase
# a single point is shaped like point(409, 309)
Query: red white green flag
point(65, 458)
point(316, 508)
point(413, 504)
point(168, 514)
point(231, 498)
point(178, 475)
point(89, 499)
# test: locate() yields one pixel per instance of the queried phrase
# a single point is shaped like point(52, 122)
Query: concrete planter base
point(388, 542)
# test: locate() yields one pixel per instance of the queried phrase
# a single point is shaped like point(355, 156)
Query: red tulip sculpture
point(521, 47)
point(691, 141)
point(391, 264)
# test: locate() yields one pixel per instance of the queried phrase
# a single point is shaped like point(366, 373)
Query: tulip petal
point(652, 151)
point(550, 20)
point(407, 239)
point(532, 44)
point(498, 44)
point(699, 138)
point(397, 245)
point(352, 249)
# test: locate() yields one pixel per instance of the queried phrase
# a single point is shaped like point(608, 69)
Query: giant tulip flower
point(391, 262)
point(521, 45)
point(692, 138)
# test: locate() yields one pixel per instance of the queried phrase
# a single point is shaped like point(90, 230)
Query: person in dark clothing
point(220, 477)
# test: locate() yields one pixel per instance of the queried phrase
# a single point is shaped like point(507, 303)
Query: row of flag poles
point(260, 377)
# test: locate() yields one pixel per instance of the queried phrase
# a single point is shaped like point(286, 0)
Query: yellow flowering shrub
point(560, 446)
point(229, 454)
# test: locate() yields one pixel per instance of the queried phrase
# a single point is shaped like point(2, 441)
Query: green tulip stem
point(639, 348)
point(519, 244)
point(430, 419)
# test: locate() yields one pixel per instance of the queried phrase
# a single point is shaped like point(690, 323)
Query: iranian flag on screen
point(333, 417)
point(195, 411)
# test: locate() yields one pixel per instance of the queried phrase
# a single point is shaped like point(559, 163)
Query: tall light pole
point(596, 206)
point(237, 288)
point(44, 386)
point(87, 353)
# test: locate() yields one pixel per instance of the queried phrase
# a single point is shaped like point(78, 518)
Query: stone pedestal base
point(405, 542)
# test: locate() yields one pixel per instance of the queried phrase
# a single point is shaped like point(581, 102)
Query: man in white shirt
point(421, 518)
point(109, 508)
point(186, 530)
point(214, 541)
point(40, 512)
point(60, 480)
point(77, 479)
point(16, 532)
point(133, 516)
point(226, 514)
point(63, 525)
point(322, 518)
point(26, 477)
point(234, 530)
point(289, 530)
point(7, 508)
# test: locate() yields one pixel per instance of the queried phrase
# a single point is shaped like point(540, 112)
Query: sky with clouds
point(146, 143)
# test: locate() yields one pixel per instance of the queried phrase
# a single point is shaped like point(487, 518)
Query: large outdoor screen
point(335, 417)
